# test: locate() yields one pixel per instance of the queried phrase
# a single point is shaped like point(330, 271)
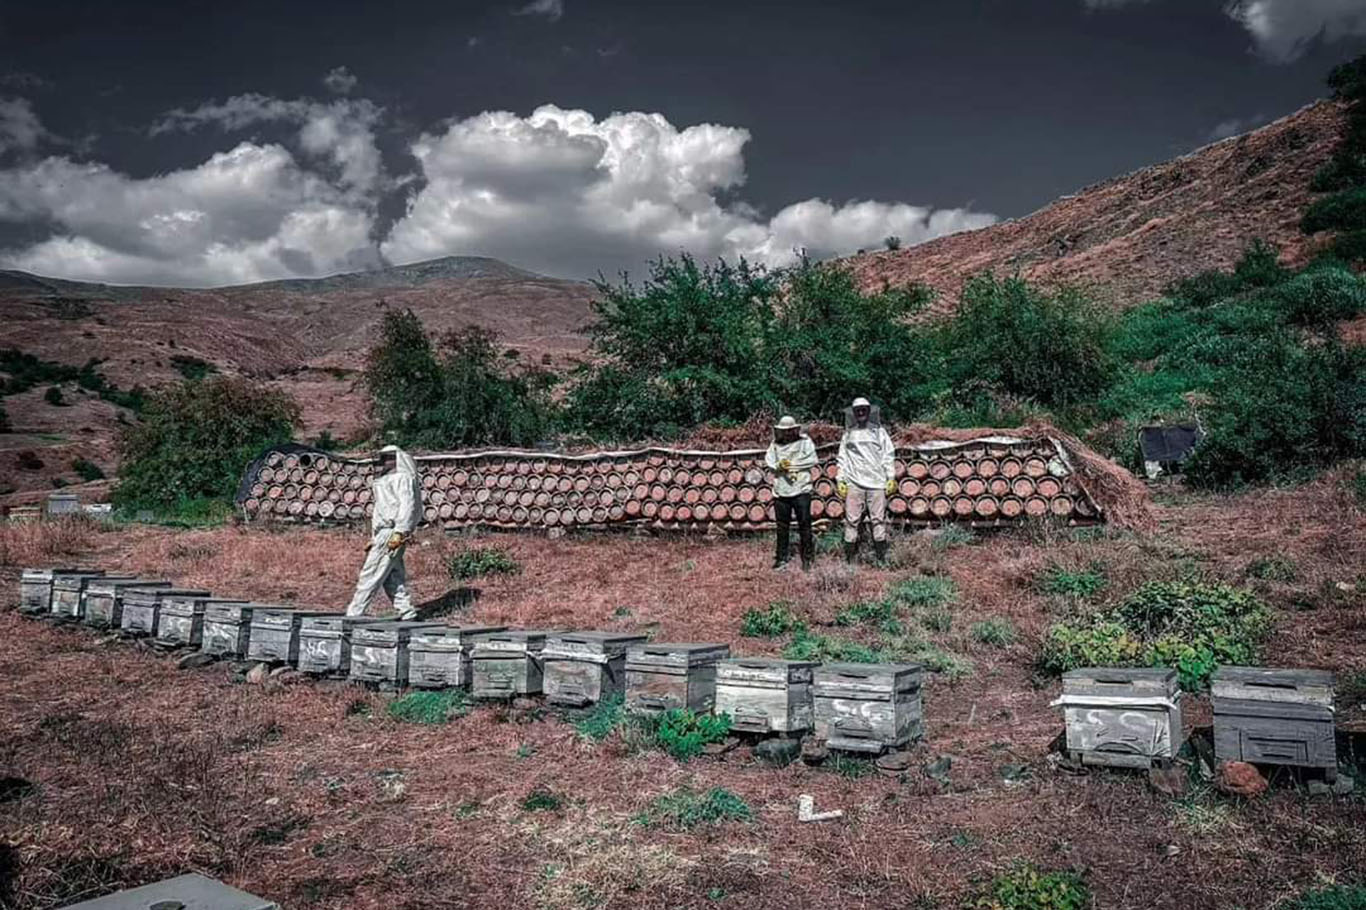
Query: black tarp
point(1169, 445)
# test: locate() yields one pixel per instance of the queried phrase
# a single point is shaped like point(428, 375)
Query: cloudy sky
point(204, 144)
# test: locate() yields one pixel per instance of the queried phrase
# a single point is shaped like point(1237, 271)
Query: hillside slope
point(1132, 235)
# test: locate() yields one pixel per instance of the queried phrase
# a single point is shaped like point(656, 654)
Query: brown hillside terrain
point(1131, 236)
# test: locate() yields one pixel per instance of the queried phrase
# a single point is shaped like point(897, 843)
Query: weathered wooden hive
point(665, 675)
point(583, 668)
point(68, 592)
point(868, 707)
point(142, 608)
point(104, 599)
point(379, 650)
point(181, 623)
point(35, 587)
point(765, 694)
point(274, 634)
point(1275, 717)
point(184, 892)
point(1121, 717)
point(227, 630)
point(506, 664)
point(439, 657)
point(325, 643)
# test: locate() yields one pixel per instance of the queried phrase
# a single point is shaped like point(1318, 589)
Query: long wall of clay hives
point(980, 482)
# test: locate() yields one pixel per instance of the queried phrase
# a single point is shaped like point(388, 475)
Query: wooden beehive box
point(181, 623)
point(325, 643)
point(35, 588)
point(867, 707)
point(1121, 717)
point(765, 694)
point(1275, 717)
point(379, 650)
point(184, 892)
point(582, 668)
point(227, 630)
point(104, 599)
point(664, 675)
point(142, 608)
point(439, 657)
point(506, 664)
point(274, 634)
point(68, 592)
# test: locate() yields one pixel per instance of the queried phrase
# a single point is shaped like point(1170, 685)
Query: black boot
point(880, 552)
point(850, 550)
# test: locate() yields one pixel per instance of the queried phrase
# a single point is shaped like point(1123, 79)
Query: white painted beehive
point(181, 623)
point(507, 664)
point(68, 592)
point(439, 657)
point(583, 668)
point(868, 707)
point(274, 636)
point(35, 587)
point(1275, 717)
point(379, 650)
point(142, 608)
point(227, 630)
point(1121, 716)
point(325, 643)
point(765, 694)
point(104, 599)
point(184, 892)
point(665, 675)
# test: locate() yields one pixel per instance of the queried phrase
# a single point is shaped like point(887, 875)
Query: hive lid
point(170, 592)
point(1273, 685)
point(662, 648)
point(125, 581)
point(190, 892)
point(768, 663)
point(1274, 677)
point(869, 670)
point(64, 578)
point(598, 637)
point(36, 571)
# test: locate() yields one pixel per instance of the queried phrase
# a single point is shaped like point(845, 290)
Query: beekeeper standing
point(867, 461)
point(397, 499)
point(791, 456)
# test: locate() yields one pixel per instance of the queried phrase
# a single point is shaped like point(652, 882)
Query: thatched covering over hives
point(974, 477)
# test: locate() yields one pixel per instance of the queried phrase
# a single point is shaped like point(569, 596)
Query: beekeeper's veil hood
point(874, 414)
point(403, 462)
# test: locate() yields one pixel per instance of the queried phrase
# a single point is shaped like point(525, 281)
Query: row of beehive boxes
point(863, 707)
point(1132, 717)
point(975, 483)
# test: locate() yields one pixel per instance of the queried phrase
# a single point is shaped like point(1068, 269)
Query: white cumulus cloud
point(20, 128)
point(339, 80)
point(550, 9)
point(563, 192)
point(1285, 29)
point(247, 214)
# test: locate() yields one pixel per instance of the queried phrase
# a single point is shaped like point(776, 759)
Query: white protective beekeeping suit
point(867, 465)
point(397, 498)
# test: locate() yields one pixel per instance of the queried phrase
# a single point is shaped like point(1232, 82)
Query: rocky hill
point(1132, 235)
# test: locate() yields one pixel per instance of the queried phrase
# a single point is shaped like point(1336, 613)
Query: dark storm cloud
point(717, 128)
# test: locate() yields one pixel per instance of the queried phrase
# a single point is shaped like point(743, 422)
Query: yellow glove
point(396, 540)
point(891, 487)
point(842, 488)
point(785, 465)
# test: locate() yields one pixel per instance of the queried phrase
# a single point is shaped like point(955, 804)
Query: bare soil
point(310, 794)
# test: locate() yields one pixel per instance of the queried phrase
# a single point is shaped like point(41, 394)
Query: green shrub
point(53, 396)
point(951, 536)
point(1322, 296)
point(430, 708)
point(195, 439)
point(828, 649)
point(604, 717)
point(541, 799)
point(684, 809)
point(1342, 211)
point(682, 733)
point(477, 562)
point(1272, 568)
point(771, 621)
point(996, 631)
point(1190, 626)
point(1338, 897)
point(455, 394)
point(924, 591)
point(87, 469)
point(879, 611)
point(1056, 580)
point(1015, 338)
point(937, 619)
point(192, 368)
point(1025, 887)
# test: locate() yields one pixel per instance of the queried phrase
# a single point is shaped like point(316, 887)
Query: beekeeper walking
point(867, 462)
point(397, 499)
point(791, 456)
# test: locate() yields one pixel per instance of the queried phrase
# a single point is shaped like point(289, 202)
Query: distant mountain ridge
point(411, 275)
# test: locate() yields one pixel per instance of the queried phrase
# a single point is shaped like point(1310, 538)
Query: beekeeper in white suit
point(397, 498)
point(867, 466)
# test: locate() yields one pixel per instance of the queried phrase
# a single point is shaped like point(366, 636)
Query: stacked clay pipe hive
point(993, 480)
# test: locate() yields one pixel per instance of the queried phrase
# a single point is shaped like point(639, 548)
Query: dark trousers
point(785, 507)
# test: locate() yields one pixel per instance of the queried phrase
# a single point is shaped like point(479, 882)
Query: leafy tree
point(458, 394)
point(195, 439)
